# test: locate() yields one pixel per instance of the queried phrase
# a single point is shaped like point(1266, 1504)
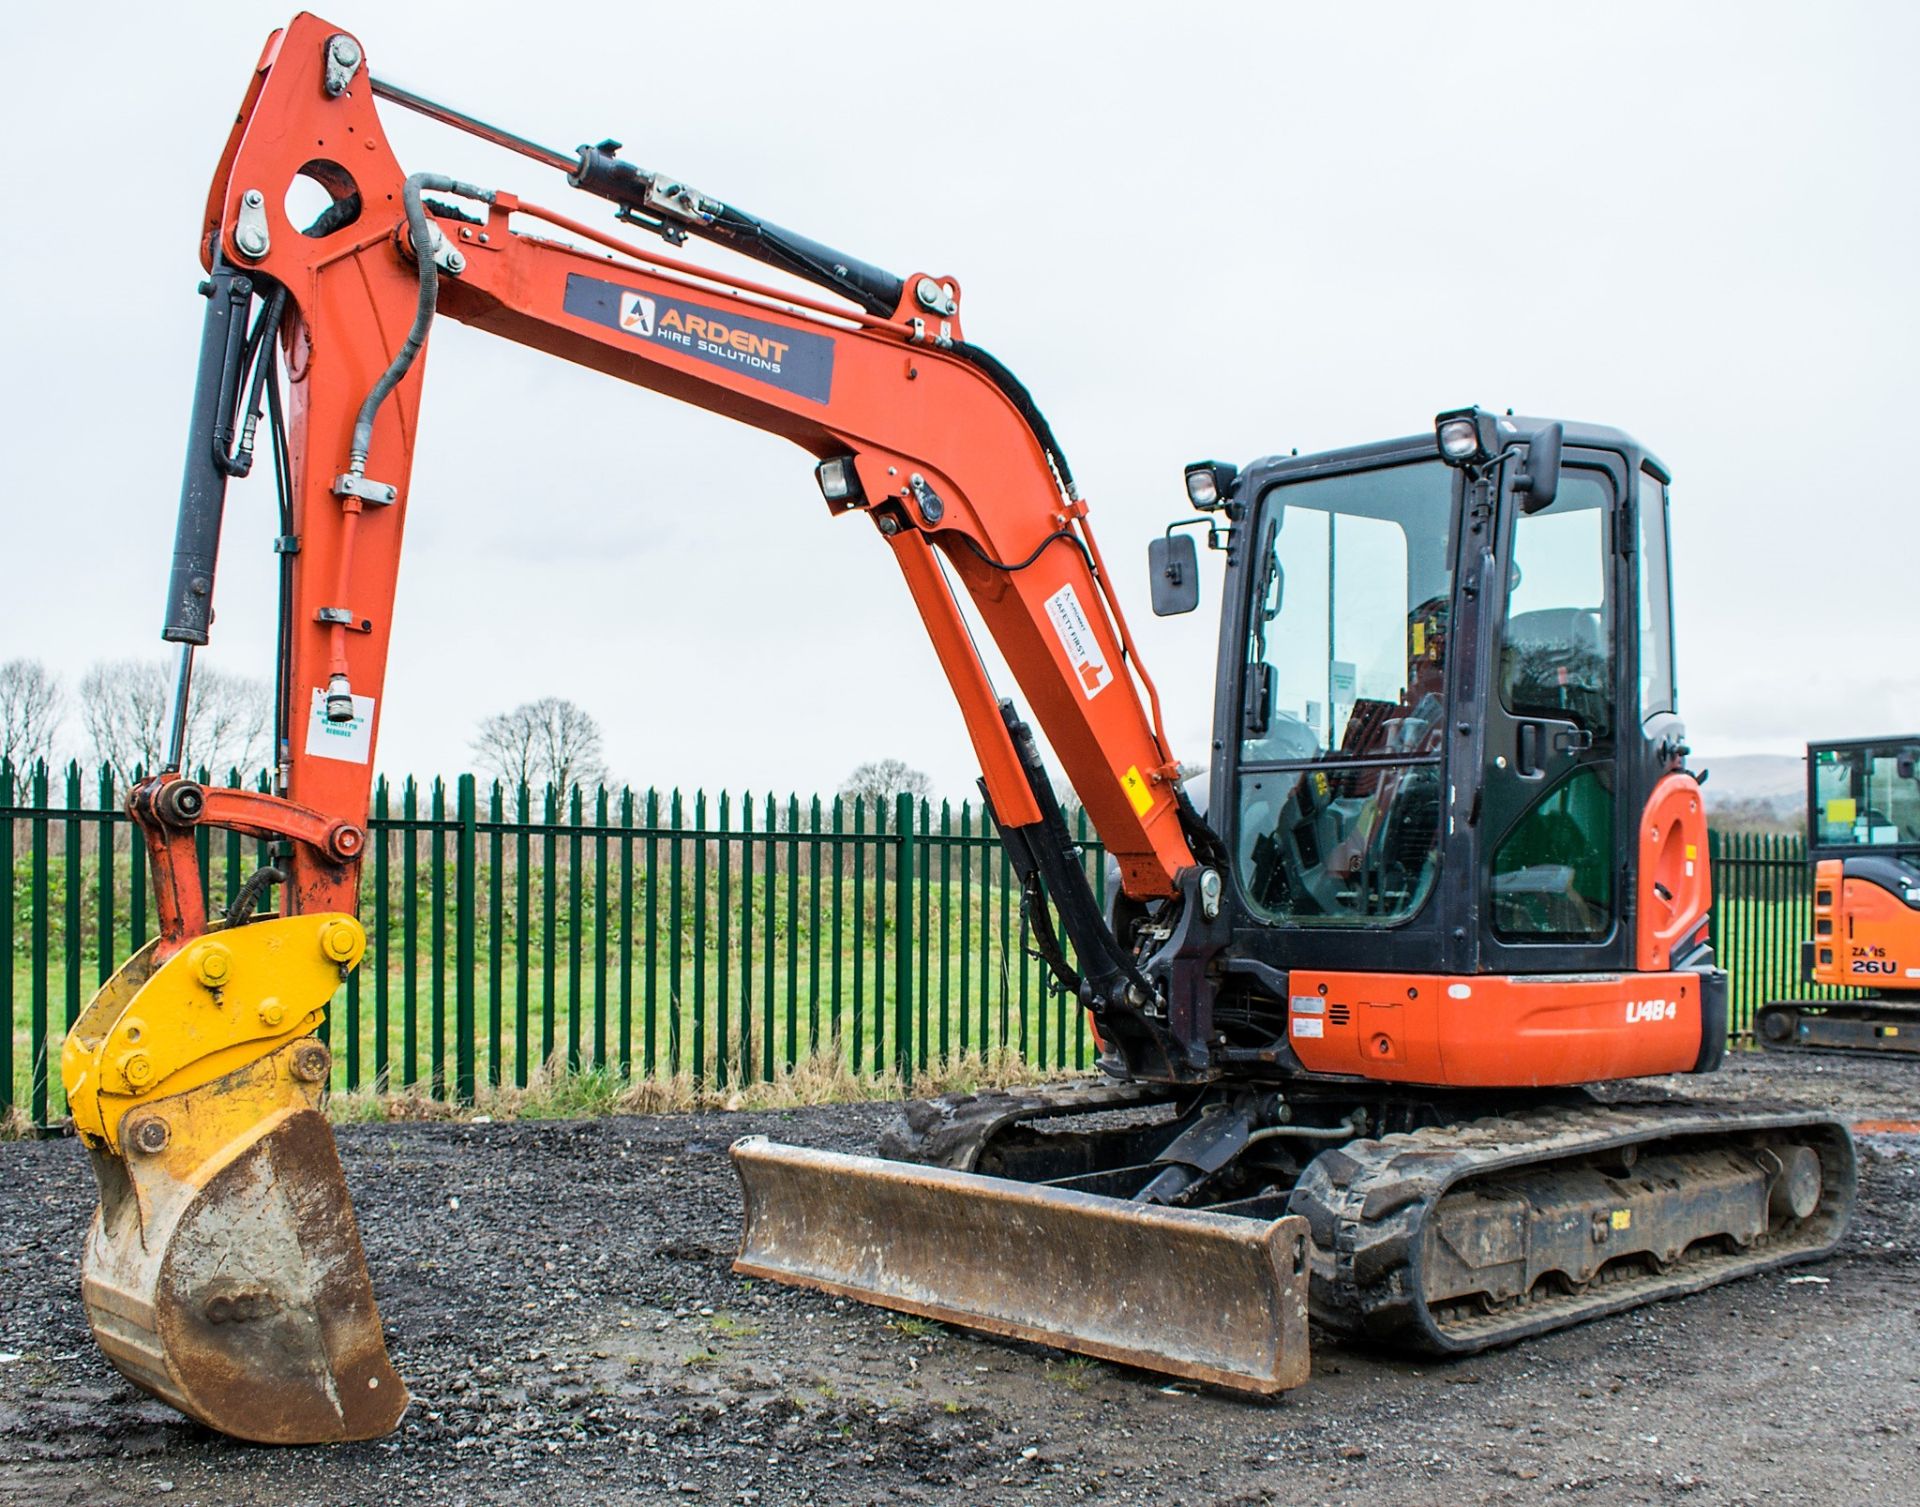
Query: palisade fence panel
point(718, 937)
point(1762, 911)
point(721, 938)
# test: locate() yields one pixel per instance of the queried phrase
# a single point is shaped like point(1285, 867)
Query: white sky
point(1197, 230)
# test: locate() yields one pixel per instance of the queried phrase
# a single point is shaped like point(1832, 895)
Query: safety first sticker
point(1076, 637)
point(349, 742)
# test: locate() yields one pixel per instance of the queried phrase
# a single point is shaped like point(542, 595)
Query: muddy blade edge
point(1207, 1297)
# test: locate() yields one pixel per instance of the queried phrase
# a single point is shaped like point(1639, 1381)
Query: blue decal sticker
point(793, 360)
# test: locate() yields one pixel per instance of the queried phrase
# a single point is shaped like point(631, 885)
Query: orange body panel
point(1512, 1031)
point(1864, 935)
point(1675, 888)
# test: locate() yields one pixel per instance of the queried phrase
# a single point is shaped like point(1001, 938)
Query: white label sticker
point(1459, 991)
point(1309, 1004)
point(1309, 1025)
point(1076, 637)
point(349, 742)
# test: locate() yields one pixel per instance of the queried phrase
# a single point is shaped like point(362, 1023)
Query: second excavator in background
point(1863, 840)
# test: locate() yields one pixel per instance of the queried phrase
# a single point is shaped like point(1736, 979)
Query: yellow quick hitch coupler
point(223, 1272)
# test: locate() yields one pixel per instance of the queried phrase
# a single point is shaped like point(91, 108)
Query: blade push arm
point(930, 437)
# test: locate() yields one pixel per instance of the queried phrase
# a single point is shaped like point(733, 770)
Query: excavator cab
point(1446, 696)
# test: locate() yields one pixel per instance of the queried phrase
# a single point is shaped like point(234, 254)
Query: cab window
point(1556, 656)
point(1655, 604)
point(1867, 797)
point(1343, 718)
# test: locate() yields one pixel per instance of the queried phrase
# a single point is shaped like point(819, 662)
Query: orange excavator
point(1452, 870)
point(1863, 839)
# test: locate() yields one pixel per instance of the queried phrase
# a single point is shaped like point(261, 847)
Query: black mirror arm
point(1213, 531)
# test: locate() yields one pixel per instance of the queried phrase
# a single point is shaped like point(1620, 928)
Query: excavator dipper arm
point(193, 1077)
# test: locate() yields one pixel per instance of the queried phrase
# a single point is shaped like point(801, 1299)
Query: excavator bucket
point(1209, 1297)
point(223, 1272)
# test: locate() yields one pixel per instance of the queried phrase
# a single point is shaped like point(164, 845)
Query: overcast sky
point(1194, 230)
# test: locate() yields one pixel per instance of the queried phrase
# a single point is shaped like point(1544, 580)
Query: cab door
point(1552, 829)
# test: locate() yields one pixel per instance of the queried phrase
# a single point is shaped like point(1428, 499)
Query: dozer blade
point(1210, 1297)
point(223, 1272)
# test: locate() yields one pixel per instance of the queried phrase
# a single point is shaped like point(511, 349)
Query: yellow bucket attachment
point(1209, 1297)
point(223, 1272)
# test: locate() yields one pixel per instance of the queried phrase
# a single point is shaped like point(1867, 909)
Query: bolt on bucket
point(223, 1271)
point(1210, 1297)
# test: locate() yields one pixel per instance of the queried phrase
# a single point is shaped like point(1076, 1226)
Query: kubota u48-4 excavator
point(1453, 867)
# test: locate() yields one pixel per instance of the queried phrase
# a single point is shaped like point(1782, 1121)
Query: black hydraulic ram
point(655, 202)
point(1048, 864)
point(203, 489)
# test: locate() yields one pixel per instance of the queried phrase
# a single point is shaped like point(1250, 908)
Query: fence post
point(74, 882)
point(105, 949)
point(437, 909)
point(382, 937)
point(903, 958)
point(37, 1037)
point(6, 939)
point(465, 862)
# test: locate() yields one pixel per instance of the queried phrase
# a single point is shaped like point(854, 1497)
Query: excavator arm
point(194, 1076)
point(928, 435)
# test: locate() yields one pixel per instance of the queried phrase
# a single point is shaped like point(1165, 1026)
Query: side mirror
point(1539, 484)
point(1906, 765)
point(1174, 565)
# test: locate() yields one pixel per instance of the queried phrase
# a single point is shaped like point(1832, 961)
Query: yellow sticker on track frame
point(1138, 791)
point(1621, 1219)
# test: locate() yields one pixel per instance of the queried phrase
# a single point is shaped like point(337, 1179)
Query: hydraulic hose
point(420, 229)
point(339, 699)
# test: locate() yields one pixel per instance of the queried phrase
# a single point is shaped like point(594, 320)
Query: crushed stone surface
point(557, 1295)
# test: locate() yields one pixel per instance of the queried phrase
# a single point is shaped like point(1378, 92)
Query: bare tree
point(32, 706)
point(883, 779)
point(127, 706)
point(551, 741)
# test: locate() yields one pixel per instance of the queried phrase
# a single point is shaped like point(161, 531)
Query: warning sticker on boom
point(1076, 637)
point(350, 742)
point(790, 359)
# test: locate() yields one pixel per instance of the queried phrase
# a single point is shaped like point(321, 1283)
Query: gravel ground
point(557, 1295)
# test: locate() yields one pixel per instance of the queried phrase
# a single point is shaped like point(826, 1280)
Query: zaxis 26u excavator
point(1452, 870)
point(1863, 838)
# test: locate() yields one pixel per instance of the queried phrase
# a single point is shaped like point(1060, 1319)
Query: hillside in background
point(1755, 792)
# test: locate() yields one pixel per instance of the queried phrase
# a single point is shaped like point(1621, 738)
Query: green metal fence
point(646, 933)
point(1762, 910)
point(651, 933)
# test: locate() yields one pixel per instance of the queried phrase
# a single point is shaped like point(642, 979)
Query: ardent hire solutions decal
point(790, 359)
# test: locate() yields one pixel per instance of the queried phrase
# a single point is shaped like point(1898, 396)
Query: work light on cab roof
point(1210, 483)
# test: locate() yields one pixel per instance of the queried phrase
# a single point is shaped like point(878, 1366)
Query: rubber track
point(1367, 1202)
point(1893, 1012)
